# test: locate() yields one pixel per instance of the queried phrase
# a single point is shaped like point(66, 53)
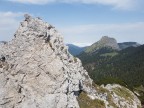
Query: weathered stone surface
point(37, 71)
point(122, 97)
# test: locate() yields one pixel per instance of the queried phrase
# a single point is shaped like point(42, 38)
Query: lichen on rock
point(37, 71)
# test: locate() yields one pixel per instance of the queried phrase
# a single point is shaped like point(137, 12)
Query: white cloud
point(8, 24)
point(121, 4)
point(10, 14)
point(33, 1)
point(92, 33)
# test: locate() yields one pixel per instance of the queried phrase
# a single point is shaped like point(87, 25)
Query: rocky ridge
point(37, 71)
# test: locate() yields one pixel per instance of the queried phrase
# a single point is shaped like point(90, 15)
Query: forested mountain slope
point(125, 67)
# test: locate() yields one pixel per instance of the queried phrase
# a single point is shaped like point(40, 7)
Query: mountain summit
point(37, 71)
point(105, 41)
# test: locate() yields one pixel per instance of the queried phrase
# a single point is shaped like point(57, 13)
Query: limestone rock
point(122, 97)
point(37, 71)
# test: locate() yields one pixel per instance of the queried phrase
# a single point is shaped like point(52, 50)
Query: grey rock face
point(110, 42)
point(38, 71)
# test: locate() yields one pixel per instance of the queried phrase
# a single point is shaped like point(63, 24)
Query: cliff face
point(37, 71)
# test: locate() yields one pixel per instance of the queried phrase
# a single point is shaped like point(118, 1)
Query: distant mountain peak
point(105, 37)
point(105, 41)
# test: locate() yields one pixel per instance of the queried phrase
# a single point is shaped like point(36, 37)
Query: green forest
point(124, 67)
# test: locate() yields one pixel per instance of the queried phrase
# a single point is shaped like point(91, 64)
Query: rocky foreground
point(37, 71)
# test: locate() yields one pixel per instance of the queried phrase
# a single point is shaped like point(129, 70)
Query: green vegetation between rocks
point(101, 90)
point(123, 92)
point(87, 102)
point(140, 91)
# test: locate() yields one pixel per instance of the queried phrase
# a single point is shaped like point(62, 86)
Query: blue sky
point(81, 22)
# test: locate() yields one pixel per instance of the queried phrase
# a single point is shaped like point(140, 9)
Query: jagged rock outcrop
point(37, 71)
point(105, 41)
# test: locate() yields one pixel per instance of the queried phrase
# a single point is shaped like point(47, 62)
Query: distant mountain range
point(105, 41)
point(75, 50)
point(125, 45)
point(110, 62)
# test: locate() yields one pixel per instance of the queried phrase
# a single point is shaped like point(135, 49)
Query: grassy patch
point(75, 59)
point(109, 94)
point(86, 102)
point(123, 92)
point(140, 90)
point(112, 54)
